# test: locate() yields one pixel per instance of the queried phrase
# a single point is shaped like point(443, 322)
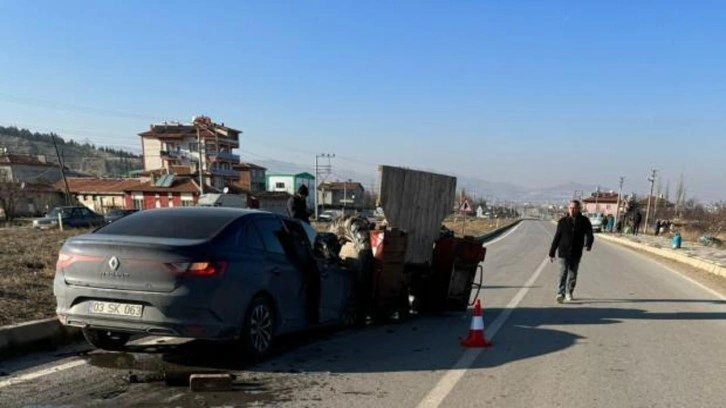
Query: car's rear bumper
point(179, 313)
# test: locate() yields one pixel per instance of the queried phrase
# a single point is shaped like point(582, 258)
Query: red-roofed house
point(602, 203)
point(183, 192)
point(103, 194)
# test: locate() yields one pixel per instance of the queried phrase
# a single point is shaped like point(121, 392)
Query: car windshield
point(168, 224)
point(66, 212)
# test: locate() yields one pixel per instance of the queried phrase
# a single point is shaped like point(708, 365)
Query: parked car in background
point(211, 273)
point(597, 222)
point(117, 214)
point(327, 216)
point(71, 216)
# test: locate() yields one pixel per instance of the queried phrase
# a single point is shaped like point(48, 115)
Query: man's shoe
point(560, 298)
point(568, 298)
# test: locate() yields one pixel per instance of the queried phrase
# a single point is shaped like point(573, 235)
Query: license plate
point(116, 309)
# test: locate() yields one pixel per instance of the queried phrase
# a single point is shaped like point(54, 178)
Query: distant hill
point(84, 158)
point(498, 191)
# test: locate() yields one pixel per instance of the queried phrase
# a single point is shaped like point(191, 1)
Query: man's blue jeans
point(568, 275)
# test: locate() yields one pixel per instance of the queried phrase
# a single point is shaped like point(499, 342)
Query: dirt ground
point(27, 266)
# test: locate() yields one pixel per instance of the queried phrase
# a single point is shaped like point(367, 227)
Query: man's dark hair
point(303, 190)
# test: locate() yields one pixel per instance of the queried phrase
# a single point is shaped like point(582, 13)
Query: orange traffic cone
point(476, 337)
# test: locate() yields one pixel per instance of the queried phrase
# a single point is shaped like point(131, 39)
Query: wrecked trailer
point(407, 262)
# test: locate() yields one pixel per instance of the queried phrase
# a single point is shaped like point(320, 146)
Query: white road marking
point(447, 383)
point(66, 366)
point(174, 397)
point(503, 236)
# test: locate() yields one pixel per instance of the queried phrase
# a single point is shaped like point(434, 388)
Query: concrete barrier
point(35, 335)
point(668, 253)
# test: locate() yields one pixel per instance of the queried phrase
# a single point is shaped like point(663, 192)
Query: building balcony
point(179, 155)
point(222, 155)
point(170, 154)
point(216, 171)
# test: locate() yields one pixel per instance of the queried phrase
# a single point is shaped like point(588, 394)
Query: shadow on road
point(420, 344)
point(585, 301)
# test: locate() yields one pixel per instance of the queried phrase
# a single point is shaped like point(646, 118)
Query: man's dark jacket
point(297, 208)
point(573, 233)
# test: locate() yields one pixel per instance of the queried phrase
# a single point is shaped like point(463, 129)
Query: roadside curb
point(706, 266)
point(497, 232)
point(35, 335)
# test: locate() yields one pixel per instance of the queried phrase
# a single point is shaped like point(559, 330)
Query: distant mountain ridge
point(497, 191)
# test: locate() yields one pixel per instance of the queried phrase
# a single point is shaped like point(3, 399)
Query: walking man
point(574, 232)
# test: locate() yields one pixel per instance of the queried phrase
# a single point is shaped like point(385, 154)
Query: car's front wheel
point(105, 339)
point(257, 329)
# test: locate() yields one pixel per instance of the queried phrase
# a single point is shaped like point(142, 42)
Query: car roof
point(203, 211)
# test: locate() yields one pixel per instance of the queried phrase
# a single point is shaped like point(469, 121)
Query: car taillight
point(65, 260)
point(198, 269)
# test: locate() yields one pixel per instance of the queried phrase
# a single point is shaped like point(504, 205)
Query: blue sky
point(534, 93)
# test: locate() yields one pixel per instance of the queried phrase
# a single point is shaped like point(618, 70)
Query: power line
point(23, 100)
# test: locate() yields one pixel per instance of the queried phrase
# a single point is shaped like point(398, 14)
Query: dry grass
point(27, 266)
point(474, 226)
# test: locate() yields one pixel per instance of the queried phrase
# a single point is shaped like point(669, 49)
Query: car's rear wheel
point(106, 339)
point(258, 329)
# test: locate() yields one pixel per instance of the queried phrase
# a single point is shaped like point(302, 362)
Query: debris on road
point(210, 382)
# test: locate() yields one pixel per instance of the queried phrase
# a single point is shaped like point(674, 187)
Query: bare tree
point(680, 196)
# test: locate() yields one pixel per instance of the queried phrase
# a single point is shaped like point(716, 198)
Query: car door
point(74, 219)
point(283, 279)
point(84, 216)
point(331, 284)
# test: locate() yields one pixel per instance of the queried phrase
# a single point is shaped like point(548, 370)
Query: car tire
point(105, 339)
point(258, 327)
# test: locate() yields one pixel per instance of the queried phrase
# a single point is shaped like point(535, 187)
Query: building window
point(279, 185)
point(171, 200)
point(187, 200)
point(158, 201)
point(138, 201)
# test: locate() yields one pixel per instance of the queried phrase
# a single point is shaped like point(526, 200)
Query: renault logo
point(113, 263)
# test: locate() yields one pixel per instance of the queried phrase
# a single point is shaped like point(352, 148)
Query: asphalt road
point(637, 335)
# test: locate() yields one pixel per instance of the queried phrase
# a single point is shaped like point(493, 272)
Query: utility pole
point(597, 195)
point(320, 169)
point(62, 169)
point(647, 211)
point(200, 122)
point(617, 210)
